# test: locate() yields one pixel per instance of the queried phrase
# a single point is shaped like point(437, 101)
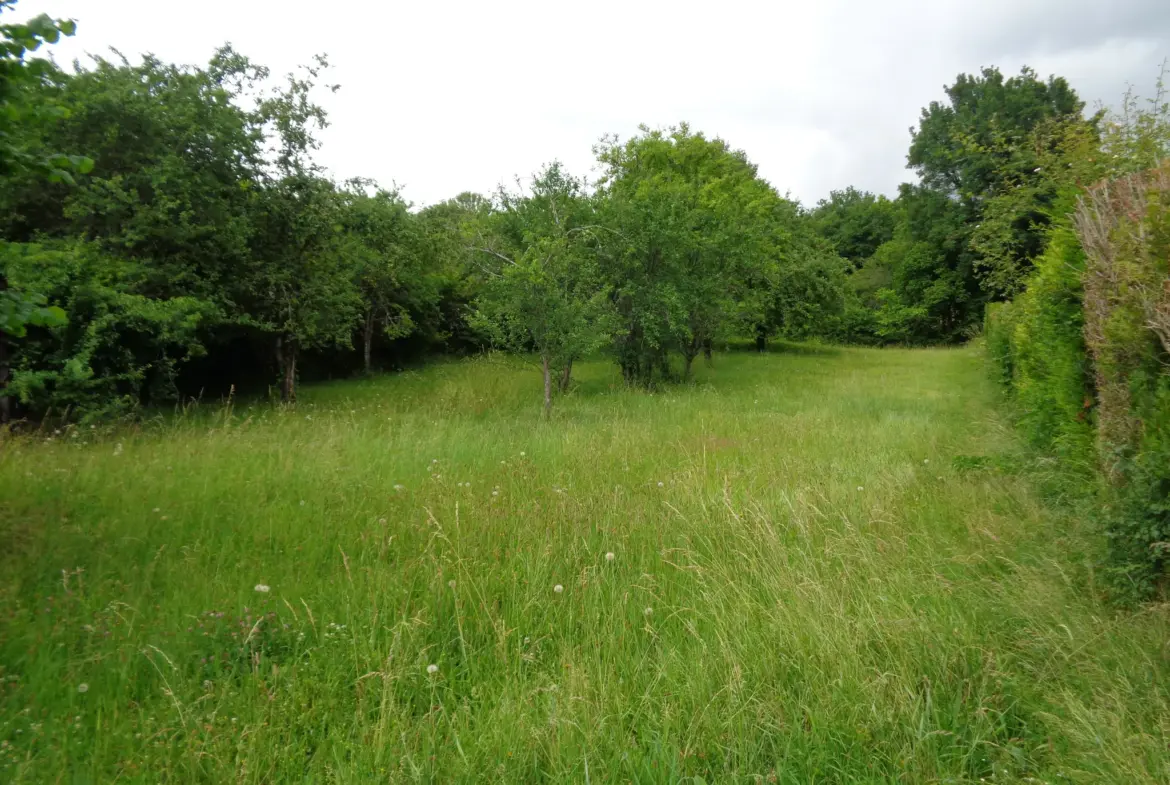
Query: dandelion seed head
point(609, 556)
point(558, 588)
point(432, 669)
point(495, 493)
point(647, 611)
point(263, 588)
point(661, 485)
point(860, 488)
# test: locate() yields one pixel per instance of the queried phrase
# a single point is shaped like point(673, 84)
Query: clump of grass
point(800, 568)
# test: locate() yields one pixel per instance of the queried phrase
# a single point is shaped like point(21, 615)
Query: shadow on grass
point(784, 347)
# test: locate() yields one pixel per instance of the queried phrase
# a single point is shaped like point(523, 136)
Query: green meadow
point(814, 565)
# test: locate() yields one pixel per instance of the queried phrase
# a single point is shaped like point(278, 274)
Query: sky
point(444, 97)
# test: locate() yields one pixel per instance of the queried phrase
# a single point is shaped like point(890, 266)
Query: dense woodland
point(165, 233)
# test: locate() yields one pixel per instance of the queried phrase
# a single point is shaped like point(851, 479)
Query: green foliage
point(120, 348)
point(856, 223)
point(543, 289)
point(1085, 347)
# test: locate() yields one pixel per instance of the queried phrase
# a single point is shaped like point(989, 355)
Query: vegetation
point(828, 564)
point(819, 564)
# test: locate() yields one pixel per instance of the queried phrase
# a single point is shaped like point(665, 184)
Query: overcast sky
point(443, 97)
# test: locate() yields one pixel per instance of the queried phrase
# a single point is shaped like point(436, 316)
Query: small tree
point(542, 290)
point(382, 238)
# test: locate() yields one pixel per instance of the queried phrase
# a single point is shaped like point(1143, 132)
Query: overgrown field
point(827, 566)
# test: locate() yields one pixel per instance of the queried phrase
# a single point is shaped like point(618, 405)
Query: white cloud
point(450, 96)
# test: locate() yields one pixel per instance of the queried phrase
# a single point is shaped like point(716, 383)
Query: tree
point(302, 286)
point(967, 151)
point(856, 223)
point(689, 218)
point(542, 289)
point(383, 239)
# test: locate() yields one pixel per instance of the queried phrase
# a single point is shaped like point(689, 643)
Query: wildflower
point(661, 485)
point(860, 488)
point(609, 556)
point(83, 688)
point(558, 588)
point(434, 460)
point(432, 669)
point(451, 584)
point(522, 453)
point(495, 493)
point(926, 460)
point(400, 488)
point(382, 521)
point(647, 611)
point(263, 588)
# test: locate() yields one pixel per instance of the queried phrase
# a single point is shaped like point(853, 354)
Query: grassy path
point(824, 569)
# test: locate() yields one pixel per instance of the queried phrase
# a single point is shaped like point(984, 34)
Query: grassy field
point(811, 566)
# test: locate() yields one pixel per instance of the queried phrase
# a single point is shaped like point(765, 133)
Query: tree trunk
point(567, 376)
point(707, 351)
point(369, 340)
point(5, 370)
point(547, 386)
point(690, 352)
point(286, 353)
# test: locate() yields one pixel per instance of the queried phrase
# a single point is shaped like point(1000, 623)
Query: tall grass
point(828, 566)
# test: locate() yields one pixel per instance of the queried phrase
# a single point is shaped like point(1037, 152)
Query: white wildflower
point(83, 688)
point(609, 556)
point(432, 669)
point(661, 485)
point(647, 611)
point(926, 460)
point(400, 488)
point(495, 493)
point(263, 588)
point(558, 588)
point(860, 488)
point(522, 453)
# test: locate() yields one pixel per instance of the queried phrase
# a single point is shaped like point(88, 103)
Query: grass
point(829, 566)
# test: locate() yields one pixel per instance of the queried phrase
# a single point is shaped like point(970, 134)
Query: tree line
point(166, 232)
